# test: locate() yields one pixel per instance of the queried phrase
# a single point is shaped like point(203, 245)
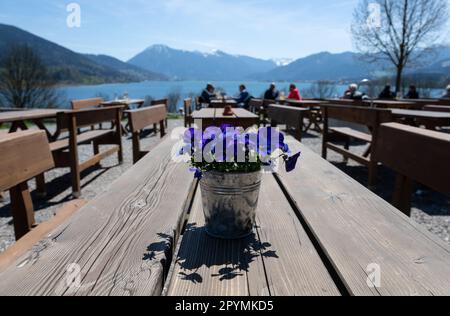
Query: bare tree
point(174, 98)
point(405, 32)
point(321, 89)
point(24, 80)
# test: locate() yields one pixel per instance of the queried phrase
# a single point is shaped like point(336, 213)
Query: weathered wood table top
point(214, 117)
point(9, 117)
point(126, 102)
point(420, 114)
point(318, 232)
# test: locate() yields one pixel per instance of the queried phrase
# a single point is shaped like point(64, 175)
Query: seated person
point(447, 93)
point(294, 93)
point(353, 94)
point(412, 93)
point(387, 94)
point(272, 93)
point(243, 98)
point(208, 94)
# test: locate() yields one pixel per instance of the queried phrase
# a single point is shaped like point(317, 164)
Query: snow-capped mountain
point(187, 65)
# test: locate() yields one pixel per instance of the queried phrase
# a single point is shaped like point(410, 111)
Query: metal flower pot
point(229, 203)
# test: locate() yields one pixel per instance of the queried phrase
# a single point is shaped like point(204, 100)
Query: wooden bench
point(140, 119)
point(292, 117)
point(187, 106)
point(24, 156)
point(436, 108)
point(166, 103)
point(87, 104)
point(65, 151)
point(371, 118)
point(138, 220)
point(416, 155)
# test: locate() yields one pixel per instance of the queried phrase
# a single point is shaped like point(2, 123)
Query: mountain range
point(185, 65)
point(66, 66)
point(160, 62)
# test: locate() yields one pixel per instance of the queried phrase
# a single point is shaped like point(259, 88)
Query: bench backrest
point(88, 117)
point(437, 108)
point(187, 104)
point(87, 103)
point(24, 155)
point(140, 119)
point(358, 115)
point(419, 154)
point(256, 104)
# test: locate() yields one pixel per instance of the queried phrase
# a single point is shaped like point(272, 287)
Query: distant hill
point(180, 64)
point(69, 67)
point(348, 66)
point(125, 68)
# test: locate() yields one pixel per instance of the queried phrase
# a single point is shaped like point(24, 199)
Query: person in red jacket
point(294, 94)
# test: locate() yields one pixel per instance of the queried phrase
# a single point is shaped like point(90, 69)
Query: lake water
point(160, 89)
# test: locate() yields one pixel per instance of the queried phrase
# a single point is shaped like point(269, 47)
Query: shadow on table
point(199, 250)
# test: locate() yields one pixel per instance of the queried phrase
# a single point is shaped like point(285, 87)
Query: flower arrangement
point(231, 150)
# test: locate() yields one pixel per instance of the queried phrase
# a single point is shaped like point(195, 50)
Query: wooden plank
point(83, 138)
point(356, 229)
point(122, 241)
point(419, 154)
point(9, 117)
point(23, 156)
point(94, 160)
point(360, 115)
point(140, 119)
point(278, 259)
point(88, 117)
point(437, 108)
point(87, 103)
point(352, 133)
point(20, 247)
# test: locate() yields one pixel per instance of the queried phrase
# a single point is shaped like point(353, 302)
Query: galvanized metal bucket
point(229, 203)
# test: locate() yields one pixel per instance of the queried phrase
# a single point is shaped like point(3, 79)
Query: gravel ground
point(430, 209)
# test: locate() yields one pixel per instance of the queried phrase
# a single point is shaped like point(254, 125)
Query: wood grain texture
point(418, 154)
point(356, 228)
point(278, 259)
point(8, 117)
point(26, 243)
point(140, 119)
point(122, 241)
point(23, 156)
point(87, 103)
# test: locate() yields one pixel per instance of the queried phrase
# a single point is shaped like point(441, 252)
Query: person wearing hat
point(207, 94)
point(272, 93)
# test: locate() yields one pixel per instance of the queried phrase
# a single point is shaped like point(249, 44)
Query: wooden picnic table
point(318, 232)
point(37, 116)
point(314, 115)
point(126, 103)
point(431, 119)
point(288, 115)
point(394, 104)
point(214, 117)
point(217, 103)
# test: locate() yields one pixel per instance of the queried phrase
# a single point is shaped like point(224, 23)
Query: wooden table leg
point(22, 210)
point(402, 194)
point(40, 185)
point(41, 126)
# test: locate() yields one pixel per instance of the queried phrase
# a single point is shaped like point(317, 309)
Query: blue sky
point(260, 28)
